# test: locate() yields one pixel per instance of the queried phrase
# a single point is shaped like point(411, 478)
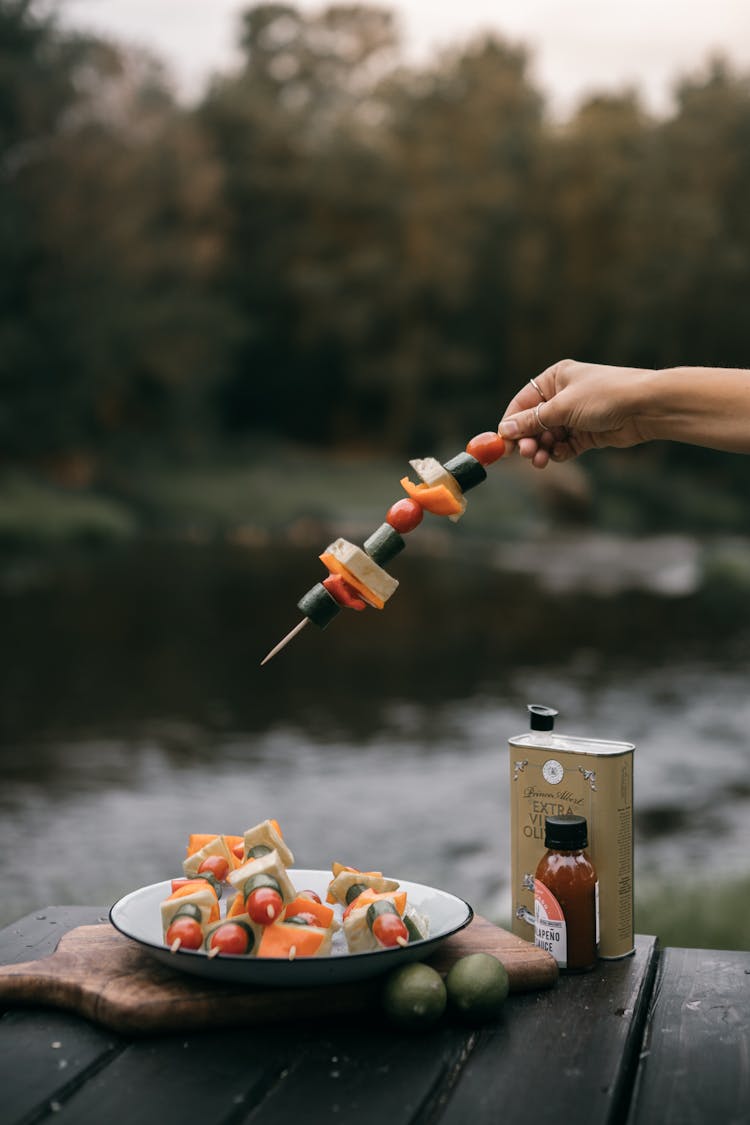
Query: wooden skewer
point(297, 628)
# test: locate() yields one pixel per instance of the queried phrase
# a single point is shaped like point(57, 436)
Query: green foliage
point(34, 513)
point(699, 915)
point(336, 248)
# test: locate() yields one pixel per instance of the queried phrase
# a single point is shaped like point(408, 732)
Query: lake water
point(134, 710)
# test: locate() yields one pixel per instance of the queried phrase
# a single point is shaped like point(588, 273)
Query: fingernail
point(508, 429)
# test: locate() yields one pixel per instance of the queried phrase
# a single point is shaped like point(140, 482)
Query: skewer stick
point(297, 628)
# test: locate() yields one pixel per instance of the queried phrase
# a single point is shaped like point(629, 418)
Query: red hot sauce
point(565, 895)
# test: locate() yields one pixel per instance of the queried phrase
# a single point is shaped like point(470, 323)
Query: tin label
point(592, 779)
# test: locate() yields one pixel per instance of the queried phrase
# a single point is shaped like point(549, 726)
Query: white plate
point(138, 917)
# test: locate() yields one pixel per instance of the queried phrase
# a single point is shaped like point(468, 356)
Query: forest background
point(334, 251)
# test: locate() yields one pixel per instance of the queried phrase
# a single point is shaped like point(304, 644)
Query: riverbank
point(271, 492)
point(280, 491)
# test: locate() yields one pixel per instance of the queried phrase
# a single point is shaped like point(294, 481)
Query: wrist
point(647, 401)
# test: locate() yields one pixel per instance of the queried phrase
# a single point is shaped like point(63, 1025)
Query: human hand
point(572, 407)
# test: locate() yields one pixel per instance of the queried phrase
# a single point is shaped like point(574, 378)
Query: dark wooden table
point(662, 1037)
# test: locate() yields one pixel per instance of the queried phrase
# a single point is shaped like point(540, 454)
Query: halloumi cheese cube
point(205, 900)
point(265, 834)
point(431, 472)
point(361, 566)
point(217, 846)
point(338, 886)
point(265, 865)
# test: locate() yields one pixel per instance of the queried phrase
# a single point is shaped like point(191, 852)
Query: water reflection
point(134, 711)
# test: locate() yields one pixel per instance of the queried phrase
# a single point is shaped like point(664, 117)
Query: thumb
point(526, 423)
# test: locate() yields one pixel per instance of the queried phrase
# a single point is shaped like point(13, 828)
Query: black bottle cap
point(570, 833)
point(541, 718)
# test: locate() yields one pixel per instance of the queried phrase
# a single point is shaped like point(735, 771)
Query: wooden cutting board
point(102, 975)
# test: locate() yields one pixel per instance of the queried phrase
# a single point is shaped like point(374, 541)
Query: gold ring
point(539, 421)
point(538, 390)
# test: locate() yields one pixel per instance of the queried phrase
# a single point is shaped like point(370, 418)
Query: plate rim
point(305, 962)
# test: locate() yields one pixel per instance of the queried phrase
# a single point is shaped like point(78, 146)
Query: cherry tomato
point(239, 850)
point(231, 938)
point(486, 447)
point(216, 864)
point(312, 895)
point(188, 931)
point(404, 515)
point(264, 905)
point(390, 930)
point(352, 906)
point(342, 592)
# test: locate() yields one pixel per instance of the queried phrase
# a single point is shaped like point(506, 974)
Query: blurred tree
point(109, 327)
point(457, 141)
point(307, 205)
point(693, 228)
point(590, 178)
point(389, 201)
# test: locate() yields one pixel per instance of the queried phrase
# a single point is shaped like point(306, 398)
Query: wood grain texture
point(100, 974)
point(695, 1063)
point(561, 1056)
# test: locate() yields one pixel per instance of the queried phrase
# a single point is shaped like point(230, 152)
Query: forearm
point(707, 406)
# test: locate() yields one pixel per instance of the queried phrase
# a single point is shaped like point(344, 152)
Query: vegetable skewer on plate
point(268, 917)
point(356, 576)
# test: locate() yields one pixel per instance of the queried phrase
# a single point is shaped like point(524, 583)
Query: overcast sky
point(576, 45)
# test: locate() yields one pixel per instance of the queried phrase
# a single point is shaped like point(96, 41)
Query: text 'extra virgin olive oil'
point(558, 775)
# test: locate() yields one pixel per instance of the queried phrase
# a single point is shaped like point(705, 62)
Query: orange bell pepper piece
point(278, 940)
point(435, 498)
point(323, 914)
point(335, 567)
point(398, 898)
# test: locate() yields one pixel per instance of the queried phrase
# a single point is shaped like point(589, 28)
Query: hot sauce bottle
point(565, 895)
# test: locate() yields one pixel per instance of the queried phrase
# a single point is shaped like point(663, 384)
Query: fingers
point(540, 455)
point(525, 401)
point(537, 440)
point(527, 398)
point(528, 423)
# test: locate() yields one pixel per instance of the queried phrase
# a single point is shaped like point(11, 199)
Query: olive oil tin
point(554, 774)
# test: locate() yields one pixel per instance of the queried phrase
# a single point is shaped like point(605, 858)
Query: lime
point(414, 996)
point(477, 986)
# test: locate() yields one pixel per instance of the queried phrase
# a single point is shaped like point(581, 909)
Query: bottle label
point(549, 924)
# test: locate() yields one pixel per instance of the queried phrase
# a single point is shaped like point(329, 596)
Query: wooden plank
point(45, 1051)
point(564, 1055)
point(695, 1062)
point(41, 1054)
point(37, 934)
point(371, 1076)
point(111, 980)
point(210, 1077)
